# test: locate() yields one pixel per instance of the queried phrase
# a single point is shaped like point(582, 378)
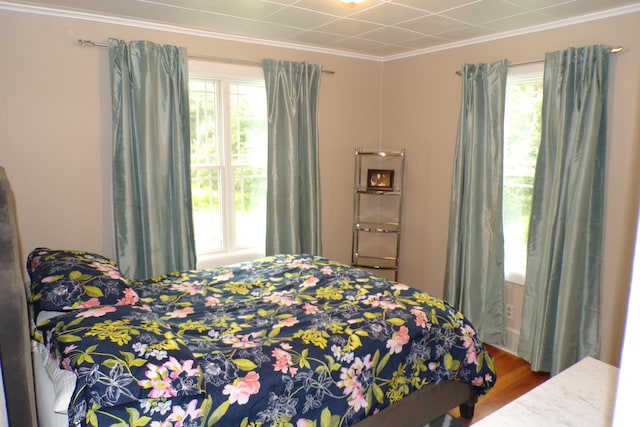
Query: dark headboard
point(15, 342)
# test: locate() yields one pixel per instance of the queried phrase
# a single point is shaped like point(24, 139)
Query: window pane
point(203, 115)
point(228, 160)
point(517, 210)
point(248, 124)
point(205, 166)
point(250, 188)
point(207, 217)
point(522, 137)
point(249, 152)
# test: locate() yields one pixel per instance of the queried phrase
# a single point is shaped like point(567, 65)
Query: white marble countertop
point(582, 396)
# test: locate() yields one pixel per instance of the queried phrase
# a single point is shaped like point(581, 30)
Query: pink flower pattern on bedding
point(282, 340)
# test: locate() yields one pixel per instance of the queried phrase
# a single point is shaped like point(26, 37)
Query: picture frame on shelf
point(380, 179)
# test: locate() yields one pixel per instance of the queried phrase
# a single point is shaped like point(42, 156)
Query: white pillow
point(48, 315)
point(64, 382)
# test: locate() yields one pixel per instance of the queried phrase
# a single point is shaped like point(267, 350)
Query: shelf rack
point(377, 208)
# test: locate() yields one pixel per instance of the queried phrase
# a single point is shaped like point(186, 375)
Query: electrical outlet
point(508, 311)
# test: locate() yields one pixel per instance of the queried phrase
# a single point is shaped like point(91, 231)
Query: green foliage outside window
point(228, 163)
point(249, 145)
point(523, 125)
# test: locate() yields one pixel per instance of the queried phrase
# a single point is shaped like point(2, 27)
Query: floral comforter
point(284, 340)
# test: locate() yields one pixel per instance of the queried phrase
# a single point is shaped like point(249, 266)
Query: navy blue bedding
point(290, 340)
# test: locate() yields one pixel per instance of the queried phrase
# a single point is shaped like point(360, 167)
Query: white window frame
point(229, 73)
point(519, 74)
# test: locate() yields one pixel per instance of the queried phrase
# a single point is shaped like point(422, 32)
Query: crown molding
point(529, 30)
point(86, 16)
point(106, 19)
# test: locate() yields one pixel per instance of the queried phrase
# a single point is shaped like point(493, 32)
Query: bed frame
point(15, 339)
point(17, 358)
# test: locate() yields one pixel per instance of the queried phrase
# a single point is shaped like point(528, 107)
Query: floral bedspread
point(286, 340)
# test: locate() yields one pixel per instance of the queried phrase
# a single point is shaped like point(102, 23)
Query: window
point(227, 106)
point(522, 130)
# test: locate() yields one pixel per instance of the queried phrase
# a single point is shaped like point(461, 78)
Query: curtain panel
point(151, 158)
point(561, 308)
point(293, 172)
point(474, 277)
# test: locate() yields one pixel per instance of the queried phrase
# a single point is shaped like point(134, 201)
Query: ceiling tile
point(584, 7)
point(487, 10)
point(300, 18)
point(387, 50)
point(437, 5)
point(349, 27)
point(433, 24)
point(423, 42)
point(375, 27)
point(187, 4)
point(252, 9)
point(78, 5)
point(391, 35)
point(154, 12)
point(270, 30)
point(118, 8)
point(466, 33)
point(318, 38)
point(538, 4)
point(283, 2)
point(388, 14)
point(523, 20)
point(217, 23)
point(356, 44)
point(335, 7)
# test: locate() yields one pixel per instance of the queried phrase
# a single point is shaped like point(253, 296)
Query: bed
point(284, 340)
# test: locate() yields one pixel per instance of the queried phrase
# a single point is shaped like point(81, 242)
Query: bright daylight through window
point(522, 130)
point(228, 159)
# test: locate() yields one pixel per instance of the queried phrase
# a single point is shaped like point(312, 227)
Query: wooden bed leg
point(467, 408)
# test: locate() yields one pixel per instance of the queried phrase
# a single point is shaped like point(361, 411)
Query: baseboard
point(511, 338)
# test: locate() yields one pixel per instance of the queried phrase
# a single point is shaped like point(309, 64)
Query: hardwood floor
point(514, 379)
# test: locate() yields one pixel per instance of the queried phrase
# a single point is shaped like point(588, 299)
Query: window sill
point(226, 258)
point(514, 278)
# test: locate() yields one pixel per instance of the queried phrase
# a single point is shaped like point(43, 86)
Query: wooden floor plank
point(515, 378)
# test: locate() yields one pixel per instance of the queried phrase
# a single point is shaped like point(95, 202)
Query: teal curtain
point(561, 309)
point(151, 163)
point(293, 182)
point(474, 277)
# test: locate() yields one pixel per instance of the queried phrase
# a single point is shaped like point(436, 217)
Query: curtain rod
point(89, 43)
point(612, 50)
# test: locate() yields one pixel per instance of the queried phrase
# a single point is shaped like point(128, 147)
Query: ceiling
point(377, 29)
